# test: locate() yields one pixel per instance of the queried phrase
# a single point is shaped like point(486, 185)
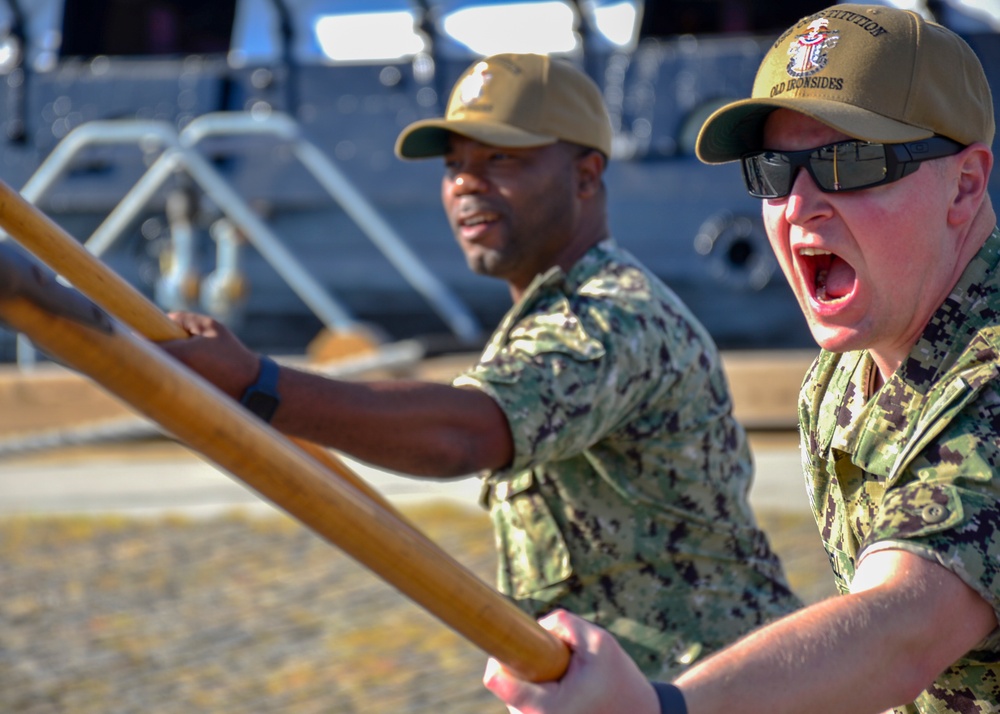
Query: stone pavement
point(249, 612)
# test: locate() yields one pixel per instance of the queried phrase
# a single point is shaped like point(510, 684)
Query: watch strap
point(261, 397)
point(671, 698)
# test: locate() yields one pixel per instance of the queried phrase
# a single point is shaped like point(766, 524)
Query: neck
point(566, 258)
point(967, 244)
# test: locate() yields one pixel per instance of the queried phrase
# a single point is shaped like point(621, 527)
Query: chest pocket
point(531, 552)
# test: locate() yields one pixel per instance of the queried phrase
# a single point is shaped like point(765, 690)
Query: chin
point(482, 267)
point(489, 264)
point(835, 339)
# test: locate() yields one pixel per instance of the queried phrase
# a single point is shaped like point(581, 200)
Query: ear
point(973, 165)
point(589, 173)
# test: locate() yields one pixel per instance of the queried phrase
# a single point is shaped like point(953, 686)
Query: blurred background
point(236, 156)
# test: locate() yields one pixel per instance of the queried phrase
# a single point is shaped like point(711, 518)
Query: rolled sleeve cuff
point(955, 527)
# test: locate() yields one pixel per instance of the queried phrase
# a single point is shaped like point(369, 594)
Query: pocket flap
point(916, 510)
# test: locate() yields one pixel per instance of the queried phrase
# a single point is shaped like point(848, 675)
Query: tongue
point(839, 279)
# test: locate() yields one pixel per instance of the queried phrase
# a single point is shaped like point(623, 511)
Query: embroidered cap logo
point(808, 51)
point(474, 84)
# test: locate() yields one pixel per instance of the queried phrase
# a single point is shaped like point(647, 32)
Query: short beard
point(489, 264)
point(480, 266)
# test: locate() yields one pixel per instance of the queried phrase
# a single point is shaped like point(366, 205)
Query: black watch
point(261, 397)
point(670, 697)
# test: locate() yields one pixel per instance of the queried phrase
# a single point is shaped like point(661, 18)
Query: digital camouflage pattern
point(626, 501)
point(917, 466)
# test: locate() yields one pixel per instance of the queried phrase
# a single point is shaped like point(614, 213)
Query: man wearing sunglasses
point(867, 137)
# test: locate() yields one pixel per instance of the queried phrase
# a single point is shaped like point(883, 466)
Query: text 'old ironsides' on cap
point(515, 100)
point(874, 73)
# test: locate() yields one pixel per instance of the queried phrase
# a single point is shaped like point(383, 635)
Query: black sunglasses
point(843, 166)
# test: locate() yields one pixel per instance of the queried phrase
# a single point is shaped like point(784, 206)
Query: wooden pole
point(70, 328)
point(61, 252)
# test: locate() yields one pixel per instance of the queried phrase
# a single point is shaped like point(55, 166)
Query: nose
point(466, 181)
point(805, 201)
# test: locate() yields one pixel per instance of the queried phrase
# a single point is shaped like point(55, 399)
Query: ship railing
point(179, 152)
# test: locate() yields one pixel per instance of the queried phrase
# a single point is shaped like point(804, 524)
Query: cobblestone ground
point(247, 614)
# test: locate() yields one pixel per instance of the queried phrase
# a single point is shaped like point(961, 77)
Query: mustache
point(470, 206)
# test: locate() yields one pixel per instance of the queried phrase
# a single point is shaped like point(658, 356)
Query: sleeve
point(948, 510)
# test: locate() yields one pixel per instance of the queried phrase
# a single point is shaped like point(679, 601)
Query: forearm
point(878, 647)
point(830, 657)
point(419, 428)
point(908, 619)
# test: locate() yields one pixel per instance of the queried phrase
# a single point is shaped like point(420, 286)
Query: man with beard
point(614, 472)
point(868, 138)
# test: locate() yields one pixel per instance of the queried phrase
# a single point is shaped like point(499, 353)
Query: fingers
point(570, 628)
point(600, 676)
point(519, 696)
point(523, 697)
point(214, 352)
point(198, 325)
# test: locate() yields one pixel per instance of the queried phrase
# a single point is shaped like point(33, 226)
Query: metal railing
point(179, 152)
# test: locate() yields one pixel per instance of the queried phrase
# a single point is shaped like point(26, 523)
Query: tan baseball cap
point(515, 100)
point(874, 73)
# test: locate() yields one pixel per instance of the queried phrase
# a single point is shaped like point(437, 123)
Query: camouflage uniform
point(917, 466)
point(626, 501)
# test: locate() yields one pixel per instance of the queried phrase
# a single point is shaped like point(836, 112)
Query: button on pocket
point(934, 513)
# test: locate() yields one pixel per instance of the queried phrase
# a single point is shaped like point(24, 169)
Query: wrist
point(262, 397)
point(670, 698)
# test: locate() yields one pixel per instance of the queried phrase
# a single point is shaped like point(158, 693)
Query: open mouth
point(477, 220)
point(831, 278)
point(474, 225)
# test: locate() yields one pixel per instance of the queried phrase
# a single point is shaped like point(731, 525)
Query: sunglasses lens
point(848, 165)
point(767, 174)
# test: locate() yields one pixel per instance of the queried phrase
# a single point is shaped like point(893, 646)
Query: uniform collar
point(556, 279)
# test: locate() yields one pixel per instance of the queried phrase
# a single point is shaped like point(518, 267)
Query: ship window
point(485, 28)
point(615, 20)
point(146, 27)
point(368, 36)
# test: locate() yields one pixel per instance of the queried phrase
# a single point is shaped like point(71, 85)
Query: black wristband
point(670, 697)
point(261, 397)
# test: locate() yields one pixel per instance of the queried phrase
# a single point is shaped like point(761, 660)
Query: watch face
point(261, 404)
